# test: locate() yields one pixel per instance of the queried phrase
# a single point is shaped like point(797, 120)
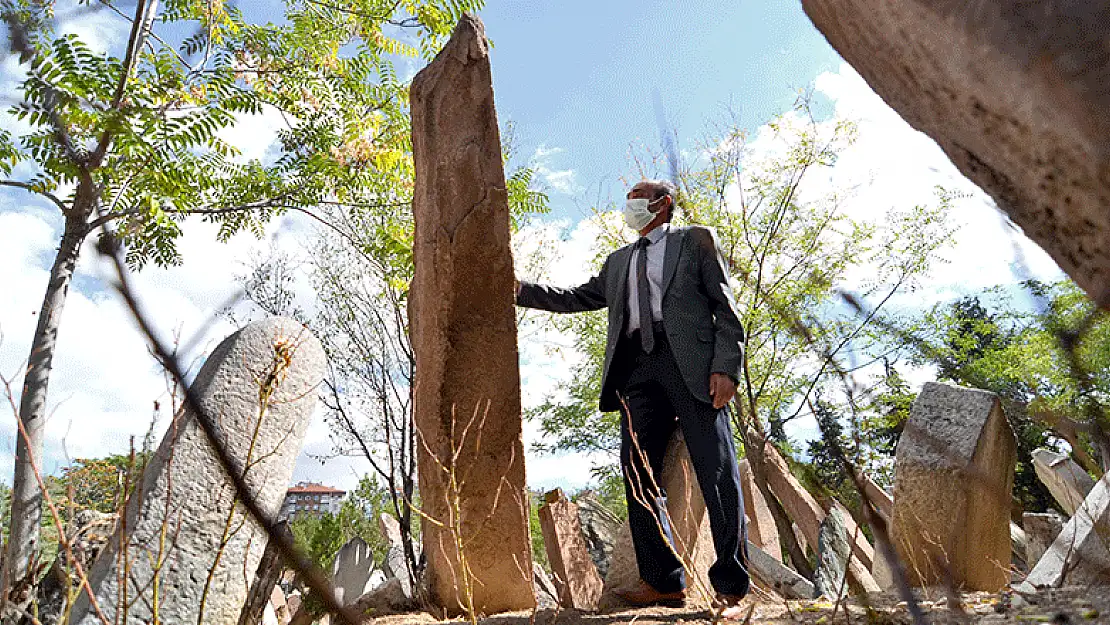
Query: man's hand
point(722, 389)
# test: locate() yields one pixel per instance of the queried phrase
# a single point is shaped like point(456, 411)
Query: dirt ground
point(1069, 606)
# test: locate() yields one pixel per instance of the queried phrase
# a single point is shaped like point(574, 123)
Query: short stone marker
point(761, 525)
point(354, 565)
point(576, 578)
point(1066, 480)
point(833, 552)
point(216, 547)
point(1041, 530)
point(463, 327)
point(954, 471)
point(689, 527)
point(1080, 554)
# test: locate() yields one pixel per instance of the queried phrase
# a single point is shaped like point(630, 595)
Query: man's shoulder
point(704, 235)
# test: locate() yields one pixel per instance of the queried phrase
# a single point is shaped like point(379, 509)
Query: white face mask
point(637, 214)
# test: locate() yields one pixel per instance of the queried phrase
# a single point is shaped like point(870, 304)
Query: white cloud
point(563, 181)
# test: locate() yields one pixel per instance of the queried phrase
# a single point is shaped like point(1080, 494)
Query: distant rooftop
point(313, 487)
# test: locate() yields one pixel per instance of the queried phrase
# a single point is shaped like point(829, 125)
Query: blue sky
point(582, 76)
point(579, 82)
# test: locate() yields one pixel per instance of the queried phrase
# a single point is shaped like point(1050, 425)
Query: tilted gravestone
point(463, 327)
point(693, 540)
point(204, 571)
point(352, 570)
point(1080, 555)
point(1066, 480)
point(954, 471)
point(761, 525)
point(833, 551)
point(576, 578)
point(1016, 94)
point(395, 565)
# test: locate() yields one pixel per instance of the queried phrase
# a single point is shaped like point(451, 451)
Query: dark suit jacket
point(699, 312)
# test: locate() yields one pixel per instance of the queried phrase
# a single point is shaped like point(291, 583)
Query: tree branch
point(30, 188)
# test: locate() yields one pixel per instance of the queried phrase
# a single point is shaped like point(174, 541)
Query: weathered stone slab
point(351, 572)
point(600, 528)
point(547, 593)
point(576, 578)
point(185, 493)
point(777, 576)
point(954, 471)
point(1041, 530)
point(1016, 94)
point(808, 515)
point(395, 565)
point(883, 500)
point(761, 525)
point(1066, 480)
point(833, 552)
point(463, 328)
point(689, 526)
point(1080, 555)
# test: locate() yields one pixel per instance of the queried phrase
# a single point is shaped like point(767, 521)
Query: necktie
point(643, 292)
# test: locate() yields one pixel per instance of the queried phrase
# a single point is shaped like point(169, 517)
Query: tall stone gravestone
point(463, 325)
point(954, 471)
point(1014, 92)
point(206, 569)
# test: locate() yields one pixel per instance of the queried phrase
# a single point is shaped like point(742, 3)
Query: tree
point(361, 283)
point(1047, 364)
point(130, 145)
point(789, 251)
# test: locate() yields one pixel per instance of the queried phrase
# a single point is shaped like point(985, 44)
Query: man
point(672, 360)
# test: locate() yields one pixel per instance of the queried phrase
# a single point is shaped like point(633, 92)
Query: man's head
point(661, 195)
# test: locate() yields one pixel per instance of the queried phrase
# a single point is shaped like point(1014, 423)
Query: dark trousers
point(656, 401)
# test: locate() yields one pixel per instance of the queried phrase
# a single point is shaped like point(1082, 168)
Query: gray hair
point(662, 187)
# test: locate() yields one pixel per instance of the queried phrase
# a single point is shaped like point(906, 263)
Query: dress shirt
point(656, 249)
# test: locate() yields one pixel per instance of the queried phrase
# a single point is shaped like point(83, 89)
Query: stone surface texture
point(878, 495)
point(600, 528)
point(689, 526)
point(761, 525)
point(463, 326)
point(1041, 530)
point(547, 593)
point(954, 472)
point(1080, 555)
point(576, 578)
point(1016, 94)
point(352, 570)
point(207, 569)
point(832, 556)
point(808, 515)
point(1064, 478)
point(395, 566)
point(776, 576)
